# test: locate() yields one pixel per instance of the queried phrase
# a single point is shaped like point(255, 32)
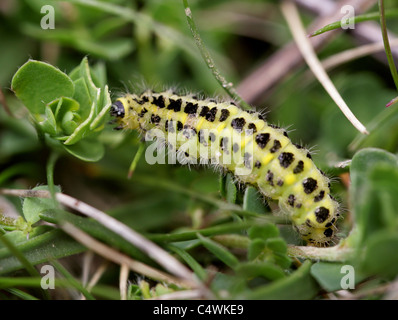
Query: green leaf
point(373, 181)
point(253, 201)
point(374, 175)
point(383, 179)
point(256, 247)
point(37, 83)
point(382, 132)
point(83, 127)
point(298, 286)
point(227, 285)
point(380, 255)
point(193, 264)
point(87, 150)
point(99, 74)
point(282, 260)
point(278, 245)
point(32, 207)
point(82, 95)
point(67, 109)
point(106, 104)
point(263, 269)
point(219, 251)
point(329, 275)
point(366, 159)
point(45, 247)
point(228, 188)
point(64, 113)
point(68, 125)
point(64, 105)
point(264, 231)
point(49, 124)
point(83, 71)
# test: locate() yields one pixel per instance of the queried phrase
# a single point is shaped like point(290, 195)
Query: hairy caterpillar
point(242, 142)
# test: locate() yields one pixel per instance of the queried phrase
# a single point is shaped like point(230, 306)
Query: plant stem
point(50, 174)
point(137, 157)
point(387, 48)
point(208, 232)
point(76, 284)
point(361, 18)
point(336, 253)
point(227, 86)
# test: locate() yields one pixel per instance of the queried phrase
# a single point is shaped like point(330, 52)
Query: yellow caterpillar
point(242, 142)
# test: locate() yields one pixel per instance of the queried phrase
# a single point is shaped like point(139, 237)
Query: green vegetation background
point(145, 44)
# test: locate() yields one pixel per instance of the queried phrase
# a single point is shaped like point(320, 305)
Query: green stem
point(21, 294)
point(137, 157)
point(50, 175)
point(208, 232)
point(336, 253)
point(361, 18)
point(228, 86)
point(72, 280)
point(387, 48)
point(21, 257)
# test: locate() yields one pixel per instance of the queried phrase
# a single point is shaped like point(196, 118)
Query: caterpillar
point(242, 142)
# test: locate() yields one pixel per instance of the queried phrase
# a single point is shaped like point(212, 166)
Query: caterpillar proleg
point(242, 142)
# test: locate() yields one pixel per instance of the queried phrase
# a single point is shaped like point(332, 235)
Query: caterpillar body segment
point(242, 142)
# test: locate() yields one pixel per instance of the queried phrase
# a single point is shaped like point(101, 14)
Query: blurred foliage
point(131, 45)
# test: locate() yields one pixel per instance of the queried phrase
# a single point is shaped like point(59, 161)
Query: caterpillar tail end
point(317, 237)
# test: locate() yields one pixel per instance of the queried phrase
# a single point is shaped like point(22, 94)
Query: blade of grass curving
point(227, 86)
point(74, 283)
point(195, 266)
point(21, 294)
point(219, 251)
point(387, 47)
point(392, 13)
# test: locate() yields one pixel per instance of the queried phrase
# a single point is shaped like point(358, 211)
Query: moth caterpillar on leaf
point(242, 142)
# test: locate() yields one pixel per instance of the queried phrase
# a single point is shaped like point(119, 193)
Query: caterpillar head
point(124, 110)
point(117, 110)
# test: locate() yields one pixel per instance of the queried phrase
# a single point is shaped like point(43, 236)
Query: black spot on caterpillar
point(242, 142)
